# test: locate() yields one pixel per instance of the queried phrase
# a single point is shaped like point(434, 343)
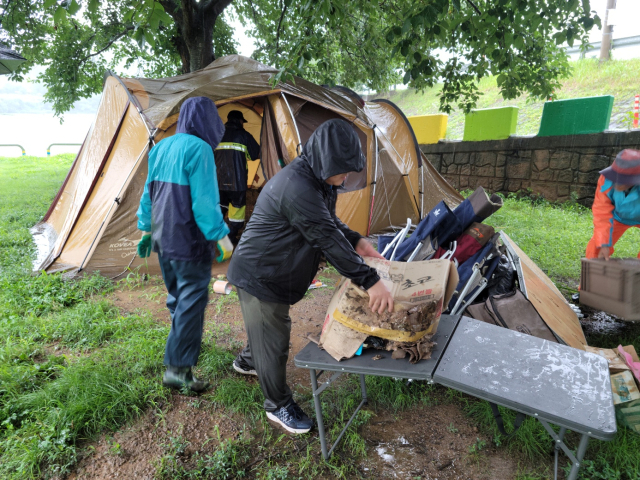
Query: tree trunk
point(195, 22)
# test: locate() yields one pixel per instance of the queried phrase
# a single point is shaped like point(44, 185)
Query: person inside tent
point(181, 220)
point(293, 224)
point(616, 206)
point(236, 148)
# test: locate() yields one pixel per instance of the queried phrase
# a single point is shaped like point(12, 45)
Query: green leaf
point(390, 37)
point(406, 26)
point(508, 39)
point(417, 57)
point(148, 36)
point(456, 4)
point(588, 23)
point(154, 21)
point(50, 3)
point(397, 31)
point(501, 79)
point(138, 36)
point(586, 6)
point(59, 15)
point(93, 6)
point(307, 55)
point(300, 62)
point(73, 7)
point(518, 42)
point(406, 78)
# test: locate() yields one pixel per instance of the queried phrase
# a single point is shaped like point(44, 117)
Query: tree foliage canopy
point(359, 43)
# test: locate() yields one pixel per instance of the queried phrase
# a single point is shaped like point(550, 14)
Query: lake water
point(36, 131)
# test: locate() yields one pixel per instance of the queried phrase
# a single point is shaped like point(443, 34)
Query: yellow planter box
point(429, 128)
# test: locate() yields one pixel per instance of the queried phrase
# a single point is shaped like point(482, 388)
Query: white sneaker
point(243, 371)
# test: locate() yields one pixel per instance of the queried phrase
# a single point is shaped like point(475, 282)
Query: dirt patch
point(431, 442)
point(184, 424)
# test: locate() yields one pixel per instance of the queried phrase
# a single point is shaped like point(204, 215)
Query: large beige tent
point(91, 225)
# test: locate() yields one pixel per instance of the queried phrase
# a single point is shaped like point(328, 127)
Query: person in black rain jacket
point(235, 149)
point(293, 224)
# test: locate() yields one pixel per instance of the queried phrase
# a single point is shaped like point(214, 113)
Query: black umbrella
point(9, 60)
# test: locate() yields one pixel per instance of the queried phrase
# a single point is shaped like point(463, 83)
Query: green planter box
point(490, 124)
point(576, 116)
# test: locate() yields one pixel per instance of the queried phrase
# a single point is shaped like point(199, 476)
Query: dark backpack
point(513, 311)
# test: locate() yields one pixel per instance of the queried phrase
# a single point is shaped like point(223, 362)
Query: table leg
point(559, 440)
point(363, 387)
point(582, 449)
point(316, 401)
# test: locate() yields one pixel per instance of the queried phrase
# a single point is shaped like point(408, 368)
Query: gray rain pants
point(268, 327)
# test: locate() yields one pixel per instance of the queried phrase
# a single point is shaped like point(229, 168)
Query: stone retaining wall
point(554, 167)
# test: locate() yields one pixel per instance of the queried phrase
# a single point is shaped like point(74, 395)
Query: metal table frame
point(318, 362)
point(366, 365)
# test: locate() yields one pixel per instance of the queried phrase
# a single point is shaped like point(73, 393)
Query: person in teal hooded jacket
point(181, 219)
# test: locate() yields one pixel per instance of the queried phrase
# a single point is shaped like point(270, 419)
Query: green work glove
point(225, 249)
point(144, 245)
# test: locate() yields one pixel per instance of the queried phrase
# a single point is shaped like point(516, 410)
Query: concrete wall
point(551, 166)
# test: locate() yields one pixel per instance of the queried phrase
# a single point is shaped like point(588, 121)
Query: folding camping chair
point(474, 276)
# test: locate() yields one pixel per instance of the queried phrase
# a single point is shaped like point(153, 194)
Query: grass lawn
point(73, 365)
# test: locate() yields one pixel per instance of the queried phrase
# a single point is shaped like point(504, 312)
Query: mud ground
point(424, 442)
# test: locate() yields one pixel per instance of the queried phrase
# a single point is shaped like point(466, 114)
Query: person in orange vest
point(616, 206)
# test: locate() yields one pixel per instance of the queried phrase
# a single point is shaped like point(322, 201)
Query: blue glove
point(225, 249)
point(144, 245)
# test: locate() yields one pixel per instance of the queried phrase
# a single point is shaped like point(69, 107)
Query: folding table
point(554, 383)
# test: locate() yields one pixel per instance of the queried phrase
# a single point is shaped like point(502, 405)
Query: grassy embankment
point(73, 366)
point(618, 78)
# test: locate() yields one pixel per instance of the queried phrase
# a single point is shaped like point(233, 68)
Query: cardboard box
point(612, 286)
point(628, 414)
point(624, 388)
point(419, 289)
point(616, 362)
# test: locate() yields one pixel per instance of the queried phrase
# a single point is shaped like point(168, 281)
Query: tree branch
point(216, 6)
point(284, 10)
point(111, 42)
point(474, 7)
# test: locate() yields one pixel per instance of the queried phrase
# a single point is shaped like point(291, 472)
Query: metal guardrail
point(14, 145)
point(615, 43)
point(62, 144)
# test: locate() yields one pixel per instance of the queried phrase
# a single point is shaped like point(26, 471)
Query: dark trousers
point(268, 327)
point(188, 287)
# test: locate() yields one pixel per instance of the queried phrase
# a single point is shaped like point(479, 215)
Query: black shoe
point(241, 366)
point(291, 418)
point(182, 377)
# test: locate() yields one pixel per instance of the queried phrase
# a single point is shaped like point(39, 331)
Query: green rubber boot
point(182, 377)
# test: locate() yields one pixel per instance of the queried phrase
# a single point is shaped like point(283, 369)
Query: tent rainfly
point(10, 60)
point(91, 224)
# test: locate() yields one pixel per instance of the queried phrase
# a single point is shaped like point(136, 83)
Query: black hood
point(333, 149)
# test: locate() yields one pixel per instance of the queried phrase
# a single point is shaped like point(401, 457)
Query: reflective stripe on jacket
point(237, 146)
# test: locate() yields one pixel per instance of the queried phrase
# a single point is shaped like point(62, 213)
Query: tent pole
point(116, 200)
point(375, 179)
point(294, 123)
point(421, 189)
